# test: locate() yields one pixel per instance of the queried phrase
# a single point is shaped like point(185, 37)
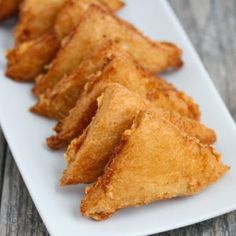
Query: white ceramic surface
point(42, 168)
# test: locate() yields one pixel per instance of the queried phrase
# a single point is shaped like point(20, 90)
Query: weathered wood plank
point(2, 160)
point(220, 226)
point(18, 214)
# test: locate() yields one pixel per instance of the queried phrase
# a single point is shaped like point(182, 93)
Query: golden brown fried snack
point(8, 8)
point(73, 10)
point(124, 71)
point(88, 154)
point(97, 25)
point(192, 127)
point(67, 18)
point(117, 107)
point(23, 61)
point(114, 4)
point(36, 18)
point(57, 102)
point(154, 161)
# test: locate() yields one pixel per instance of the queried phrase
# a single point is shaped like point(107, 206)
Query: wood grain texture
point(3, 146)
point(18, 214)
point(211, 26)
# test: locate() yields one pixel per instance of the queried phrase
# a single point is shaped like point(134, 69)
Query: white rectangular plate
point(42, 168)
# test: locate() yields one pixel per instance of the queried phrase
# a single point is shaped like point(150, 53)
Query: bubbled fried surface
point(125, 71)
point(154, 161)
point(43, 48)
point(36, 19)
point(29, 59)
point(97, 25)
point(88, 154)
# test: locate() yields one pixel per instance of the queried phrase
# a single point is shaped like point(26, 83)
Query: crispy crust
point(174, 100)
point(192, 127)
point(56, 102)
point(114, 5)
point(123, 70)
point(168, 164)
point(28, 60)
point(96, 25)
point(67, 18)
point(36, 19)
point(88, 154)
point(71, 13)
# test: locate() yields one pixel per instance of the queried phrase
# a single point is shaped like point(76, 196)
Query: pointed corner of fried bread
point(72, 11)
point(192, 127)
point(57, 102)
point(88, 154)
point(99, 24)
point(117, 107)
point(122, 69)
point(154, 161)
point(26, 61)
point(35, 19)
point(89, 159)
point(114, 5)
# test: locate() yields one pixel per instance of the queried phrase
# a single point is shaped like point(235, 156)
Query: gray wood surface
point(211, 26)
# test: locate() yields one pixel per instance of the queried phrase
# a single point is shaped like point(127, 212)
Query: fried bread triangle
point(88, 154)
point(154, 161)
point(123, 70)
point(31, 58)
point(97, 25)
point(57, 102)
point(36, 19)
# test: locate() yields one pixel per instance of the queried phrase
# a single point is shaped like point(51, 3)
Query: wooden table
point(211, 26)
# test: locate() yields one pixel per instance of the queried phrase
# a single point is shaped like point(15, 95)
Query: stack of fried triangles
point(130, 133)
